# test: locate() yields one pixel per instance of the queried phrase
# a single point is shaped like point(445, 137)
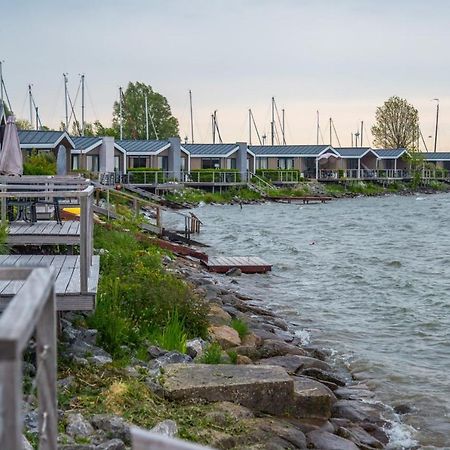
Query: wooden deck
point(67, 287)
point(44, 232)
point(247, 264)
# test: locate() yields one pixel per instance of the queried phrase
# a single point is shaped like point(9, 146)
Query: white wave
point(303, 335)
point(401, 436)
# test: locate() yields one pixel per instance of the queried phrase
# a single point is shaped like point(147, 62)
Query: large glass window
point(352, 163)
point(285, 163)
point(262, 163)
point(139, 162)
point(210, 163)
point(93, 163)
point(163, 163)
point(75, 162)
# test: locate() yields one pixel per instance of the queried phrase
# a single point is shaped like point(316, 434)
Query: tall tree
point(23, 124)
point(164, 124)
point(94, 129)
point(397, 124)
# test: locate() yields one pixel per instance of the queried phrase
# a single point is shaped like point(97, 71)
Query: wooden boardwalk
point(247, 264)
point(44, 232)
point(67, 287)
point(305, 199)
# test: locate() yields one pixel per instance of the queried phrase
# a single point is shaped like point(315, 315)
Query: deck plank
point(247, 264)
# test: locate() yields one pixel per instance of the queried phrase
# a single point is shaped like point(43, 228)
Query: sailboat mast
point(362, 132)
point(192, 117)
point(283, 127)
point(250, 126)
point(317, 128)
point(120, 113)
point(65, 100)
point(146, 117)
point(272, 124)
point(30, 99)
point(82, 104)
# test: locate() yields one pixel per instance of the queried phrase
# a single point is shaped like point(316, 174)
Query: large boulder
point(78, 426)
point(324, 440)
point(272, 348)
point(217, 316)
point(226, 336)
point(261, 388)
point(312, 399)
point(114, 426)
point(166, 427)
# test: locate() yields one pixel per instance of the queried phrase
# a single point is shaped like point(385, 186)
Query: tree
point(23, 124)
point(397, 125)
point(133, 113)
point(93, 129)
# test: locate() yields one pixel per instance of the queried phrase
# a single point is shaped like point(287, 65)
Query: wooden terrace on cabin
point(76, 275)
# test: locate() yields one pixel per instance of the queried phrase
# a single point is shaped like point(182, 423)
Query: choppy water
point(368, 277)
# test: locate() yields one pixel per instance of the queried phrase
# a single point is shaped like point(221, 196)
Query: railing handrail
point(32, 308)
point(38, 190)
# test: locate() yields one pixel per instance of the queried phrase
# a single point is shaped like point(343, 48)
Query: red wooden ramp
point(247, 264)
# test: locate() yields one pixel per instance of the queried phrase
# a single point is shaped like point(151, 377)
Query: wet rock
point(113, 444)
point(318, 353)
point(195, 347)
point(172, 357)
point(226, 336)
point(356, 411)
point(356, 392)
point(166, 427)
point(155, 352)
point(272, 348)
point(283, 430)
point(78, 426)
point(376, 431)
point(312, 399)
point(266, 389)
point(359, 436)
point(252, 340)
point(114, 426)
point(403, 409)
point(323, 375)
point(326, 441)
point(242, 359)
point(234, 272)
point(294, 363)
point(217, 316)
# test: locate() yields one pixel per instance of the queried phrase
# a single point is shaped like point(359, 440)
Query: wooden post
point(84, 245)
point(107, 202)
point(4, 207)
point(136, 207)
point(158, 217)
point(46, 372)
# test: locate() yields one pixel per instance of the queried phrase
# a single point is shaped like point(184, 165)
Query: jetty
point(302, 199)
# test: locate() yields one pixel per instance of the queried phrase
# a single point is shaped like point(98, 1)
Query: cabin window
point(210, 163)
point(75, 162)
point(139, 162)
point(262, 163)
point(285, 163)
point(446, 165)
point(352, 163)
point(231, 163)
point(116, 163)
point(163, 163)
point(389, 164)
point(93, 163)
point(183, 164)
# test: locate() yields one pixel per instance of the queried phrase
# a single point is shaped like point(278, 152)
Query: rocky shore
point(276, 394)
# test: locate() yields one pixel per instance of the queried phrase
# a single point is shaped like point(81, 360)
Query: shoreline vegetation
point(314, 189)
point(158, 317)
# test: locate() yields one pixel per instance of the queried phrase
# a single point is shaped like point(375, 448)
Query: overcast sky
point(343, 58)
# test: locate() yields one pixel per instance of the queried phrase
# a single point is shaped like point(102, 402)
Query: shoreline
point(356, 414)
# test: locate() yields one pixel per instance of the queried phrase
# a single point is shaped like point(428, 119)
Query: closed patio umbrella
point(11, 161)
point(61, 166)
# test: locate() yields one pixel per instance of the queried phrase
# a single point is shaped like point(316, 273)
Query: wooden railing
point(61, 188)
point(281, 176)
point(363, 174)
point(31, 311)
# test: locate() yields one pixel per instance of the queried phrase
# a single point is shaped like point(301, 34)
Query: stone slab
point(261, 388)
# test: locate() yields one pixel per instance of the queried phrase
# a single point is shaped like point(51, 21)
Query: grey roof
point(142, 146)
point(389, 153)
point(288, 150)
point(352, 152)
point(85, 142)
point(210, 149)
point(438, 156)
point(40, 138)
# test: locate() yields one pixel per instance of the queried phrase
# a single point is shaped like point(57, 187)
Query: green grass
point(109, 390)
point(233, 356)
point(138, 300)
point(173, 336)
point(240, 326)
point(212, 354)
point(226, 196)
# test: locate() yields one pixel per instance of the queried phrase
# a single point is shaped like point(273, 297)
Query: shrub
point(280, 174)
point(212, 354)
point(137, 297)
point(39, 164)
point(240, 326)
point(232, 354)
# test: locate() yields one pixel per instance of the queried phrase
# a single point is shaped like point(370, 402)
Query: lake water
point(367, 277)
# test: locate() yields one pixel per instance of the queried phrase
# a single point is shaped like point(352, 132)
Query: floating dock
point(305, 200)
point(247, 264)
